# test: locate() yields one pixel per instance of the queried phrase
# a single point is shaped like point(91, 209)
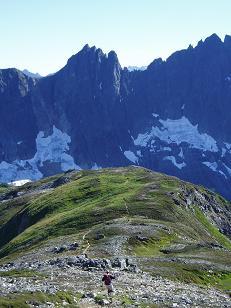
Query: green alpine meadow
point(160, 236)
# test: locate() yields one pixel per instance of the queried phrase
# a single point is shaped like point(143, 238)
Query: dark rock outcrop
point(172, 117)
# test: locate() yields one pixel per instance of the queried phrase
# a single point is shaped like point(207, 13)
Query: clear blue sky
point(41, 35)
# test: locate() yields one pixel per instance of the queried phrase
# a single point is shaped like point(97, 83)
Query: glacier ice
point(131, 156)
point(178, 131)
point(173, 160)
point(52, 148)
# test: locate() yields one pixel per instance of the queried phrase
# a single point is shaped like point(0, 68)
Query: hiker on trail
point(107, 279)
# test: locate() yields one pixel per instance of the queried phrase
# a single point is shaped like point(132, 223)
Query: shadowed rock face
point(18, 128)
point(172, 117)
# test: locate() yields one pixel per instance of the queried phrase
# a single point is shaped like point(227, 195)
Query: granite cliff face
point(172, 117)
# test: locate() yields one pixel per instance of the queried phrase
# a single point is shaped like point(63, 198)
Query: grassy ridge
point(120, 203)
point(91, 199)
point(94, 197)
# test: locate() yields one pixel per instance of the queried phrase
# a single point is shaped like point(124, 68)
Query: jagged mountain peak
point(92, 50)
point(155, 64)
point(227, 40)
point(92, 56)
point(86, 47)
point(213, 38)
point(211, 41)
point(172, 117)
point(112, 55)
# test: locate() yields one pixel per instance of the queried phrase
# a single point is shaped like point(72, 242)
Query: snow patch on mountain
point(178, 131)
point(173, 160)
point(213, 166)
point(181, 154)
point(19, 183)
point(228, 169)
point(131, 156)
point(223, 152)
point(138, 153)
point(166, 149)
point(96, 167)
point(19, 170)
point(52, 149)
point(136, 68)
point(227, 145)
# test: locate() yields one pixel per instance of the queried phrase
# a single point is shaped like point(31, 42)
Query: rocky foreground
point(81, 277)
